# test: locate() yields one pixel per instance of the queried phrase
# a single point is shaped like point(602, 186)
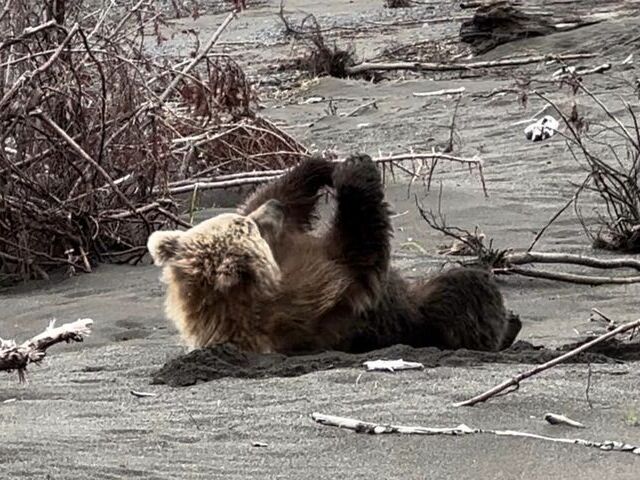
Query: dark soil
point(208, 364)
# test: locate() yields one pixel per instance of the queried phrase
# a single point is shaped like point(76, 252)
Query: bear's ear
point(270, 218)
point(164, 246)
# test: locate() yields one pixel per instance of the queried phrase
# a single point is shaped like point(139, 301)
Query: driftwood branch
point(256, 177)
point(449, 67)
point(515, 381)
point(437, 93)
point(569, 277)
point(18, 357)
point(507, 261)
point(521, 258)
point(359, 426)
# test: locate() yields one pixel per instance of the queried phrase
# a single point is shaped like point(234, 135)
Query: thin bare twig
point(198, 58)
point(515, 381)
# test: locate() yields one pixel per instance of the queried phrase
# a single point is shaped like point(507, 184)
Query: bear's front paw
point(357, 169)
point(316, 172)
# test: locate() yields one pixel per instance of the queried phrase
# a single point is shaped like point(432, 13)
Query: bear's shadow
point(206, 364)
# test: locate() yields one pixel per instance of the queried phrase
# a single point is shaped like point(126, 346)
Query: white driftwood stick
point(449, 67)
point(569, 72)
point(392, 365)
point(515, 381)
point(556, 419)
point(569, 277)
point(18, 357)
point(140, 394)
point(521, 258)
point(376, 428)
point(435, 93)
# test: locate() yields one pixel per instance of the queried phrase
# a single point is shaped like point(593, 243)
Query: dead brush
point(610, 153)
point(94, 132)
point(224, 89)
point(321, 59)
point(465, 243)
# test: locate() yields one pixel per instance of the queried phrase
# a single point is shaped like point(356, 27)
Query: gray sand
point(76, 417)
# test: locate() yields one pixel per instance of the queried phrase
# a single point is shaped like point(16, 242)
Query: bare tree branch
point(515, 381)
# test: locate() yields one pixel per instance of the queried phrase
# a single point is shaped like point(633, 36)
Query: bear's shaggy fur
point(261, 279)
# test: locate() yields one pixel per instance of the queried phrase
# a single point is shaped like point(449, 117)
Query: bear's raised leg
point(297, 191)
point(360, 235)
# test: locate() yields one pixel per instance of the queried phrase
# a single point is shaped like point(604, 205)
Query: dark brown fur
point(335, 291)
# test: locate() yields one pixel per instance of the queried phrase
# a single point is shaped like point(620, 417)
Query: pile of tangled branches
point(96, 132)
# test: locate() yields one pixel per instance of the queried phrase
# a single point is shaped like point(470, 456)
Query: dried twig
point(360, 426)
point(520, 258)
point(257, 177)
point(18, 357)
point(198, 58)
point(435, 93)
point(515, 381)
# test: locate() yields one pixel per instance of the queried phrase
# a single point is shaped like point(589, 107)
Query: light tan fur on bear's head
point(217, 270)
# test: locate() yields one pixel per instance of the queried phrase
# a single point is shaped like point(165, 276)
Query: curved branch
point(594, 262)
point(568, 277)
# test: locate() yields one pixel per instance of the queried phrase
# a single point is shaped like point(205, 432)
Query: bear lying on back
point(260, 279)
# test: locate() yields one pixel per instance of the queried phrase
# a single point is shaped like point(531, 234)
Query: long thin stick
point(448, 67)
point(359, 426)
point(251, 178)
point(558, 213)
point(435, 93)
point(520, 258)
point(569, 277)
point(515, 381)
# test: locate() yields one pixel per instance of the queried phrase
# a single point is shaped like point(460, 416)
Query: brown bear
point(264, 280)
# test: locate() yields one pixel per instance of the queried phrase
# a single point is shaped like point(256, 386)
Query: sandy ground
point(76, 418)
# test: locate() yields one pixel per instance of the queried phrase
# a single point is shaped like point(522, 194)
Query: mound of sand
point(204, 365)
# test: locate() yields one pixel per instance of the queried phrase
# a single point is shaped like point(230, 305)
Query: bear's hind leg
point(462, 308)
point(359, 238)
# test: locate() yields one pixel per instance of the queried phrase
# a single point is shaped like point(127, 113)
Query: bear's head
point(225, 254)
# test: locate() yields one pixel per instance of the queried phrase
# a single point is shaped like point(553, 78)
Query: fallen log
point(452, 67)
point(501, 21)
